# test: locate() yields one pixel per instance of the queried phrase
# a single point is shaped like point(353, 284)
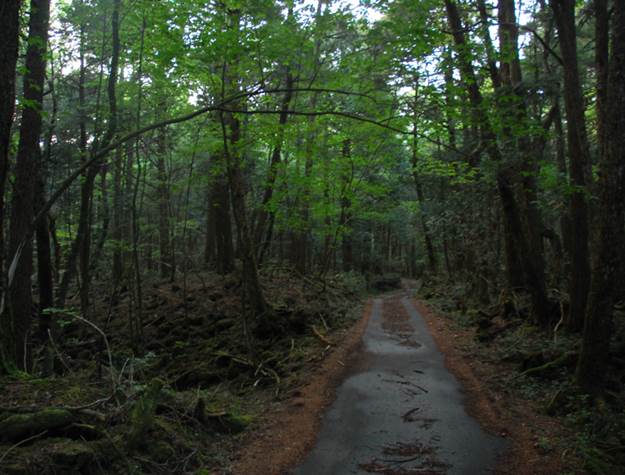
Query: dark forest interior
point(198, 197)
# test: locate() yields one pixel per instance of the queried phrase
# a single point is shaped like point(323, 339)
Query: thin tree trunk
point(519, 145)
point(44, 265)
point(347, 250)
point(117, 231)
point(264, 225)
point(427, 237)
point(162, 197)
point(231, 128)
point(301, 237)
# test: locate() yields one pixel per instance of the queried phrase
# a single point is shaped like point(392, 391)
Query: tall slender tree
point(9, 40)
point(26, 173)
point(579, 162)
point(607, 278)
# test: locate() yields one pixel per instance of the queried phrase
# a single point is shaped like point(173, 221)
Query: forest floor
point(519, 382)
point(204, 380)
point(208, 396)
point(362, 403)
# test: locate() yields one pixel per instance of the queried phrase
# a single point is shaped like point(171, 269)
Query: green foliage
point(63, 316)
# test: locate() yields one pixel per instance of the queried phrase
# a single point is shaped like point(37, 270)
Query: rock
point(71, 456)
point(20, 426)
point(143, 413)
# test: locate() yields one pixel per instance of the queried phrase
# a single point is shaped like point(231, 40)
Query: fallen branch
point(108, 349)
point(21, 442)
point(322, 338)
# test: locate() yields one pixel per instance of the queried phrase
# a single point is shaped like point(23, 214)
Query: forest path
point(399, 410)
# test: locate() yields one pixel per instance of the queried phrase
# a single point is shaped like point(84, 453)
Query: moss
point(18, 426)
point(238, 422)
point(143, 412)
point(546, 369)
point(161, 451)
point(72, 455)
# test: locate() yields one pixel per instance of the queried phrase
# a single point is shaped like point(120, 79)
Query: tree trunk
point(231, 126)
point(210, 242)
point(162, 197)
point(607, 277)
point(301, 237)
point(9, 39)
point(44, 264)
point(347, 250)
point(579, 154)
point(26, 173)
point(602, 51)
point(518, 144)
point(427, 237)
point(221, 226)
point(117, 232)
point(264, 224)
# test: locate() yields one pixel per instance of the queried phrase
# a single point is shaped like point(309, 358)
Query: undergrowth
point(539, 366)
point(179, 405)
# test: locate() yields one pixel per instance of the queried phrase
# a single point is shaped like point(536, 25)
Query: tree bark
point(579, 154)
point(231, 126)
point(347, 247)
point(219, 218)
point(301, 237)
point(162, 198)
point(602, 51)
point(26, 173)
point(264, 224)
point(44, 264)
point(9, 40)
point(117, 232)
point(427, 236)
point(518, 144)
point(607, 277)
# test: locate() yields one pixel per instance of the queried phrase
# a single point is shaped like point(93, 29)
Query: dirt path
point(399, 410)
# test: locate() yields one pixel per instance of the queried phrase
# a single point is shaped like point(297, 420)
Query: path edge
point(291, 432)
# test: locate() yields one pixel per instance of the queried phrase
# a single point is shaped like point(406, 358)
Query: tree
point(9, 39)
point(607, 277)
point(579, 163)
point(26, 178)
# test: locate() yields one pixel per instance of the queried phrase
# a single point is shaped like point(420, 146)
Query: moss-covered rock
point(19, 426)
point(143, 413)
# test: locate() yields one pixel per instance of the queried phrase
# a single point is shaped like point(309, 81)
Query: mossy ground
point(216, 379)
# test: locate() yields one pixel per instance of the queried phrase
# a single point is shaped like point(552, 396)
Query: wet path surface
point(400, 411)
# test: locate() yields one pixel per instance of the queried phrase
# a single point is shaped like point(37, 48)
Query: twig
point(108, 348)
point(58, 353)
point(321, 337)
point(21, 442)
point(87, 406)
